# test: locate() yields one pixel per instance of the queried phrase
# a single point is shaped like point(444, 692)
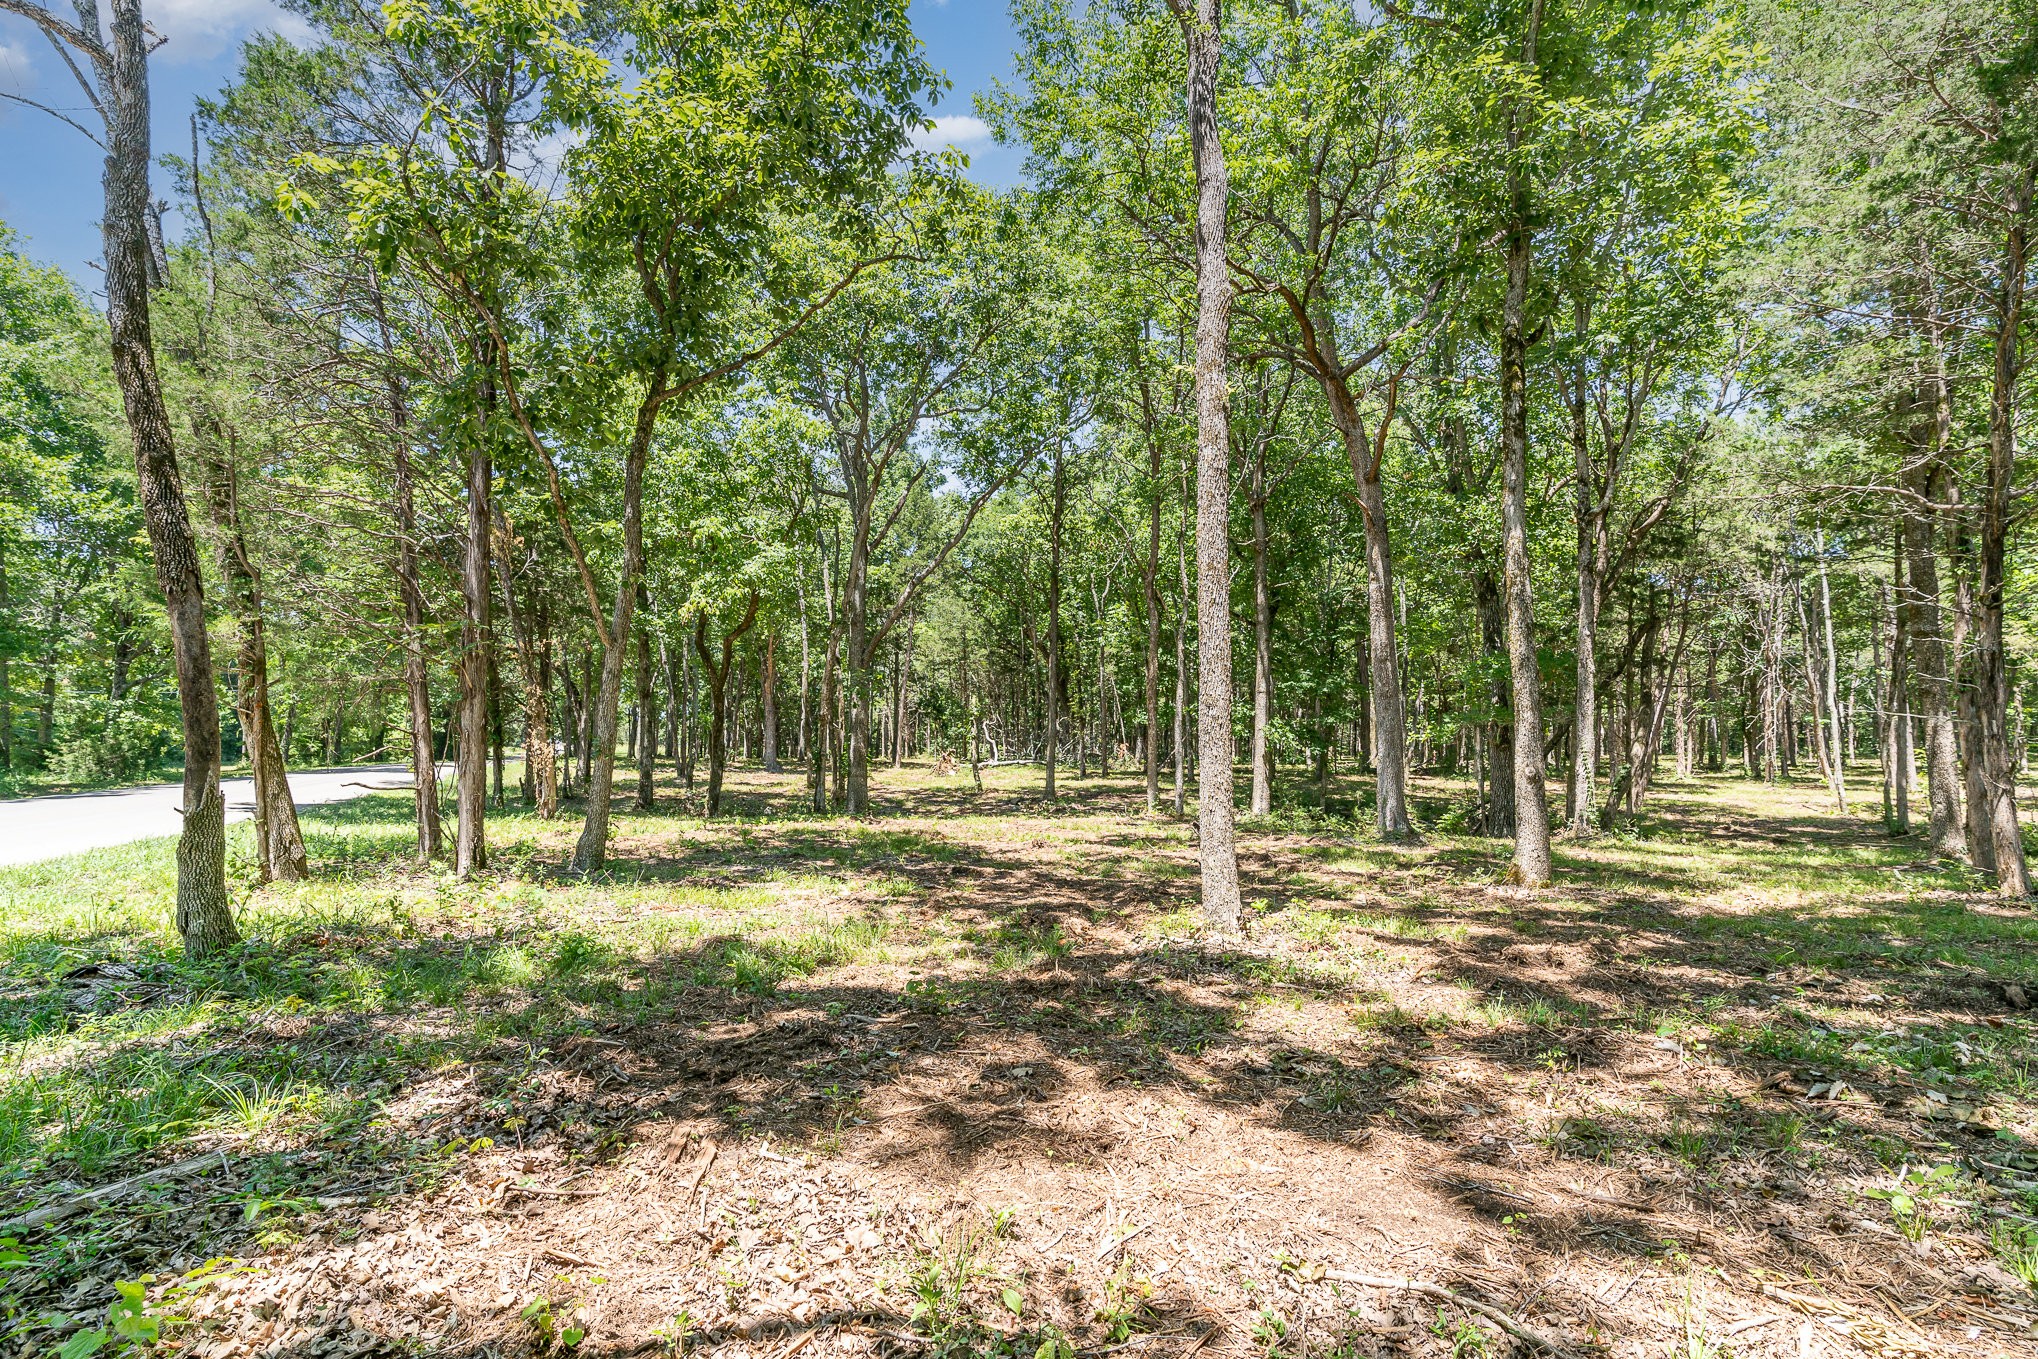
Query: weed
point(556, 1327)
point(1468, 1339)
point(1915, 1194)
point(2016, 1249)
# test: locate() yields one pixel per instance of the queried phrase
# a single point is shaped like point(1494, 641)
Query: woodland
point(1387, 711)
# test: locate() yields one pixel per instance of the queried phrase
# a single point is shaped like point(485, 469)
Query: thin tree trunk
point(1531, 811)
point(1838, 743)
point(1151, 582)
point(769, 682)
point(647, 725)
point(1055, 504)
point(718, 674)
point(279, 842)
point(591, 850)
point(1486, 589)
point(1262, 797)
point(1182, 672)
point(1590, 518)
point(1997, 812)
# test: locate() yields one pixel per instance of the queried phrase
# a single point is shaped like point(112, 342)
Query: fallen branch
point(1518, 1330)
point(71, 1207)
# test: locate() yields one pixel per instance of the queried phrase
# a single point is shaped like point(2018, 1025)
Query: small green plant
point(134, 1322)
point(1268, 1327)
point(556, 1327)
point(1053, 1345)
point(1783, 1132)
point(2017, 1250)
point(1694, 1329)
point(1687, 1144)
point(673, 1337)
point(1468, 1339)
point(1914, 1195)
point(1128, 1305)
point(942, 1275)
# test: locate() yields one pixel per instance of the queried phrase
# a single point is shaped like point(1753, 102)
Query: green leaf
point(83, 1344)
point(1015, 1302)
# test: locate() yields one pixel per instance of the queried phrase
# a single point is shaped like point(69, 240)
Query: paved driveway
point(35, 828)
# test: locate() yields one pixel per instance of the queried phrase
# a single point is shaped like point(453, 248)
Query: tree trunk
point(470, 846)
point(1997, 812)
point(647, 725)
point(1486, 589)
point(279, 842)
point(1214, 811)
point(718, 689)
point(1262, 797)
point(1899, 736)
point(204, 917)
point(1531, 812)
point(805, 735)
point(857, 657)
point(1151, 583)
point(591, 850)
point(770, 702)
point(1924, 625)
point(533, 644)
point(1104, 688)
point(1838, 743)
point(1055, 506)
point(6, 681)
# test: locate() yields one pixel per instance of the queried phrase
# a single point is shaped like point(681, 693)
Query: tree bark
point(647, 725)
point(1388, 748)
point(1531, 812)
point(769, 705)
point(1051, 746)
point(1262, 795)
point(1151, 584)
point(1838, 744)
point(279, 842)
point(1925, 627)
point(533, 645)
point(424, 769)
point(204, 917)
point(718, 683)
point(1486, 590)
point(1998, 756)
point(591, 850)
point(1217, 849)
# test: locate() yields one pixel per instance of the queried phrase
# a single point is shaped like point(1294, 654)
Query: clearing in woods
point(964, 1078)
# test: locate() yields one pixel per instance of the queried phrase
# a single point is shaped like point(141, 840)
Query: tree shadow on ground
point(418, 1035)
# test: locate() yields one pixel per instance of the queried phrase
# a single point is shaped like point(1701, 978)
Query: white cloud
point(960, 130)
point(199, 30)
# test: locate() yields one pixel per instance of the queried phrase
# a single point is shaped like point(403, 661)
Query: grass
point(1740, 932)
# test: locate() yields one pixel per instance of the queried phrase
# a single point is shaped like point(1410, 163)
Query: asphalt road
point(36, 828)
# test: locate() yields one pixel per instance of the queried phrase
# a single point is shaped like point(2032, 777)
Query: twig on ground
point(1519, 1330)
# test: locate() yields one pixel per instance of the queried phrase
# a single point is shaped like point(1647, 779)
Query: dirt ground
point(968, 1079)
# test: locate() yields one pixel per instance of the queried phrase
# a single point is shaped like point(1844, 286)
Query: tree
point(116, 51)
point(1202, 35)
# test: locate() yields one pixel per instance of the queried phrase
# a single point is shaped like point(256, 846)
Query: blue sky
point(49, 174)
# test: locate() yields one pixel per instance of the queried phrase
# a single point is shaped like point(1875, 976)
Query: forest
point(1385, 710)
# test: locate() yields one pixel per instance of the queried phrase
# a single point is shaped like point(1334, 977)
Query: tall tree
point(115, 47)
point(1217, 852)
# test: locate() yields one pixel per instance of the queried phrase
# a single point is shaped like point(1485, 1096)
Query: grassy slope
point(986, 1029)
